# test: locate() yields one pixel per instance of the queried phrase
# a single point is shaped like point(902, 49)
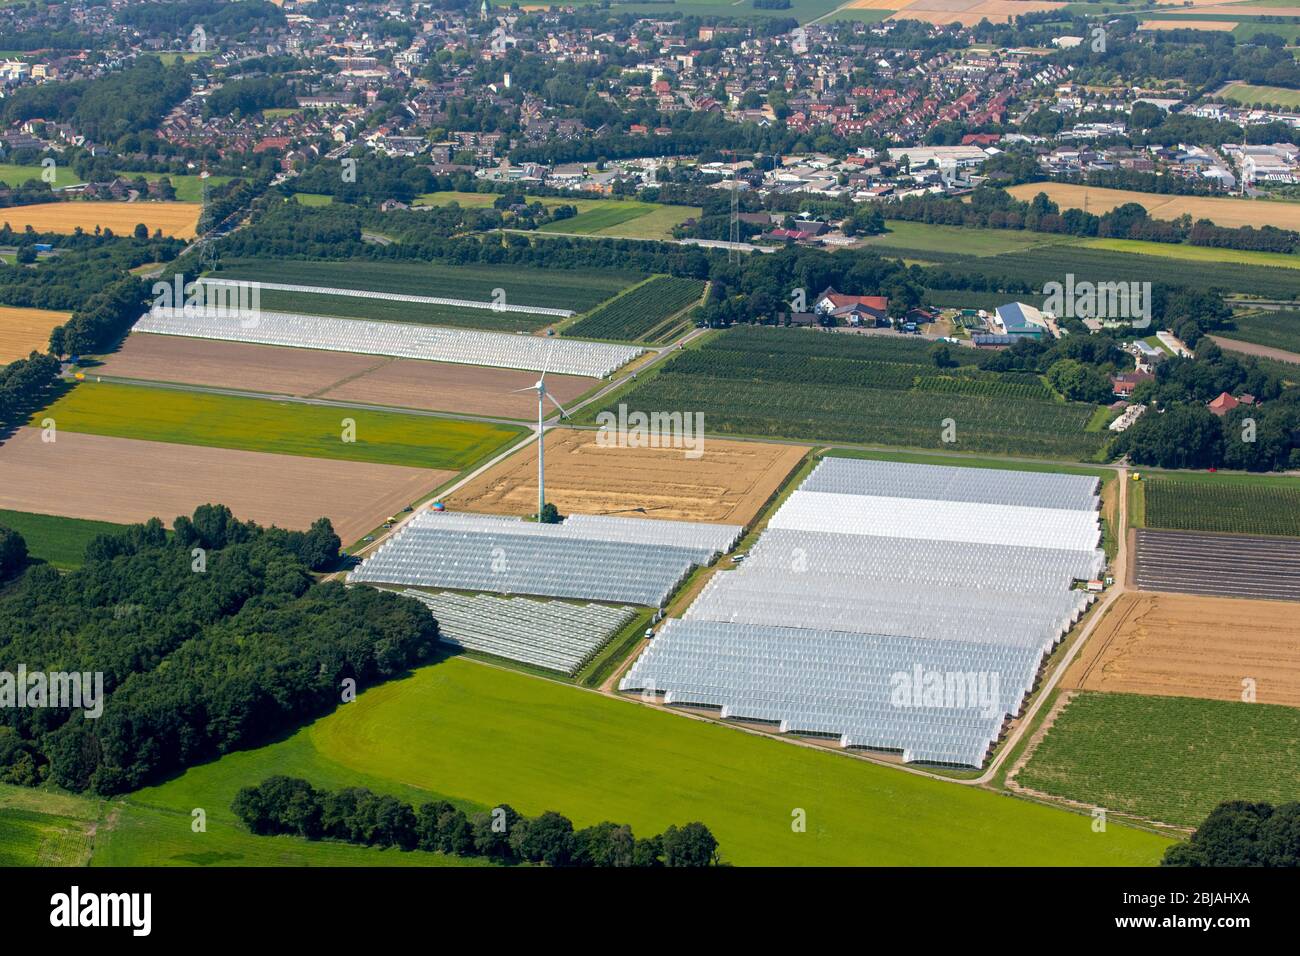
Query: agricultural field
point(59, 541)
point(921, 238)
point(1224, 211)
point(341, 376)
point(1051, 263)
point(122, 480)
point(1168, 759)
point(1191, 562)
point(575, 289)
point(864, 389)
point(424, 737)
point(615, 218)
point(313, 199)
point(1189, 253)
point(283, 428)
point(179, 219)
point(42, 828)
point(1247, 506)
point(637, 313)
point(1275, 330)
point(23, 331)
point(727, 484)
point(1178, 645)
point(387, 310)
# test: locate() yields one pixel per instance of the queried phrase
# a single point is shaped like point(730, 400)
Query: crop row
point(994, 386)
point(1278, 330)
point(841, 345)
point(631, 316)
point(873, 416)
point(1235, 508)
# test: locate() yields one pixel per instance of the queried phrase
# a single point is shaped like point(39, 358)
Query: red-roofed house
point(1223, 404)
point(855, 309)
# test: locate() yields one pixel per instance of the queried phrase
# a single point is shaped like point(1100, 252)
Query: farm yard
point(1187, 562)
point(179, 219)
point(863, 389)
point(1222, 211)
point(1177, 645)
point(124, 480)
point(642, 311)
point(574, 289)
point(424, 738)
point(1243, 506)
point(282, 428)
point(728, 483)
point(23, 331)
point(337, 376)
point(1168, 759)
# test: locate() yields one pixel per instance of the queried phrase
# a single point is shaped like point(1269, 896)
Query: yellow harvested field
point(966, 12)
point(1222, 210)
point(179, 219)
point(1219, 25)
point(728, 484)
point(1181, 645)
point(1244, 9)
point(23, 331)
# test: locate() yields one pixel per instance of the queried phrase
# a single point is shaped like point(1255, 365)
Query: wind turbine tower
point(542, 394)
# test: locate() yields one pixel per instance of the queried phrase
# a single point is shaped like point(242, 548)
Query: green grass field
point(1250, 506)
point(188, 188)
point(286, 428)
point(1272, 95)
point(480, 735)
point(14, 175)
point(1171, 250)
point(922, 237)
point(42, 828)
point(313, 199)
point(1170, 759)
point(616, 218)
point(58, 540)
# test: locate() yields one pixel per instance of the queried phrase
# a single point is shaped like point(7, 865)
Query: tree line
point(290, 805)
point(1241, 833)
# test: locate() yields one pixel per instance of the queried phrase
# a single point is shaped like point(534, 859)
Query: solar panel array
point(894, 606)
point(601, 559)
point(555, 635)
point(388, 296)
point(399, 339)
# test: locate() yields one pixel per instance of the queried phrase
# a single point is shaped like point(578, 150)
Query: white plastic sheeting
point(864, 606)
point(401, 339)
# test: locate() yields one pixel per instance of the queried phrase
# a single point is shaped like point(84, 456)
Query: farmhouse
point(1125, 383)
point(855, 309)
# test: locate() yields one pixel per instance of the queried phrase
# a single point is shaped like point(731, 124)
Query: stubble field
point(179, 219)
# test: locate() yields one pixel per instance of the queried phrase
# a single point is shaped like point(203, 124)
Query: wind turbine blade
point(563, 412)
point(530, 388)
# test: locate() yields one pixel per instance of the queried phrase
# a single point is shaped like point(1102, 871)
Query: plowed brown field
point(124, 480)
point(729, 483)
point(1188, 646)
point(343, 376)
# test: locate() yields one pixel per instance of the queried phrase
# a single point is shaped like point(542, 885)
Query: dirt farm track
point(125, 480)
point(728, 484)
point(1189, 646)
point(343, 376)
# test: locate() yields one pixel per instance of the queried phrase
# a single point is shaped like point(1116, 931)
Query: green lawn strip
point(265, 425)
point(53, 538)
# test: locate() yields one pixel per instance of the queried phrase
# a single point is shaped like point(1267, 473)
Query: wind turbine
point(542, 394)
